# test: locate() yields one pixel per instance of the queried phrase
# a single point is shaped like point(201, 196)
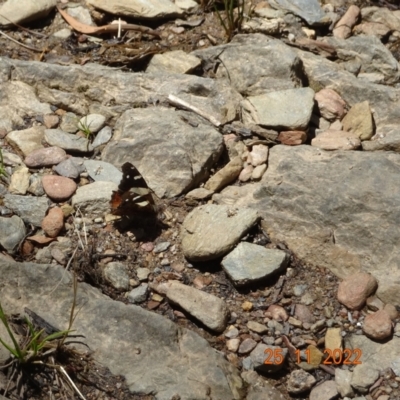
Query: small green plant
point(233, 19)
point(84, 127)
point(3, 171)
point(36, 342)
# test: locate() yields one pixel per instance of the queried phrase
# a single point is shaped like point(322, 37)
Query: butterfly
point(133, 194)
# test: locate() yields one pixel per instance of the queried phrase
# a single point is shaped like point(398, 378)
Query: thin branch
point(21, 44)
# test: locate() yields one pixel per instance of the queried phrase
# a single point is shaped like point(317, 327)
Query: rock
point(53, 222)
point(292, 138)
point(102, 171)
point(364, 376)
point(72, 167)
point(257, 327)
point(323, 202)
point(325, 391)
point(336, 140)
point(378, 326)
point(377, 63)
point(58, 188)
point(207, 308)
point(67, 141)
point(143, 274)
point(12, 232)
point(139, 294)
point(233, 345)
point(246, 173)
point(247, 346)
point(342, 380)
point(154, 9)
point(117, 275)
point(91, 123)
point(258, 155)
point(310, 11)
point(50, 120)
point(330, 105)
point(344, 26)
point(225, 175)
point(381, 16)
point(391, 311)
point(273, 354)
point(303, 313)
point(359, 121)
point(31, 209)
point(26, 140)
point(374, 303)
point(139, 137)
point(211, 231)
point(69, 122)
point(278, 313)
point(130, 325)
point(372, 28)
point(389, 142)
point(44, 157)
point(250, 262)
point(300, 381)
point(19, 181)
point(161, 247)
point(94, 198)
point(102, 137)
point(333, 339)
point(176, 61)
point(22, 11)
point(354, 290)
point(199, 194)
point(258, 172)
point(268, 27)
point(256, 77)
point(286, 110)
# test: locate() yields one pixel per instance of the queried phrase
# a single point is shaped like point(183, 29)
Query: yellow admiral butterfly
point(133, 194)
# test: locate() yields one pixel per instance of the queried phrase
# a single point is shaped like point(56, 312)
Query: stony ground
point(313, 287)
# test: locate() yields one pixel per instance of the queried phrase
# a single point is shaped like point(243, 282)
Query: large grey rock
point(377, 62)
point(384, 100)
point(249, 262)
point(289, 109)
point(332, 209)
point(243, 64)
point(211, 231)
point(309, 10)
point(20, 11)
point(207, 308)
point(169, 359)
point(184, 153)
point(74, 87)
point(12, 231)
point(31, 209)
point(138, 9)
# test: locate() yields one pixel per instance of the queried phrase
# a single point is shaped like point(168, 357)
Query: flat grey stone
point(176, 61)
point(207, 308)
point(325, 391)
point(263, 353)
point(243, 63)
point(25, 10)
point(27, 140)
point(67, 141)
point(31, 209)
point(364, 376)
point(187, 152)
point(289, 109)
point(72, 167)
point(94, 198)
point(319, 203)
point(342, 380)
point(102, 137)
point(374, 56)
point(103, 171)
point(211, 231)
point(117, 275)
point(151, 352)
point(309, 10)
point(92, 122)
point(139, 294)
point(249, 262)
point(12, 231)
point(137, 9)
